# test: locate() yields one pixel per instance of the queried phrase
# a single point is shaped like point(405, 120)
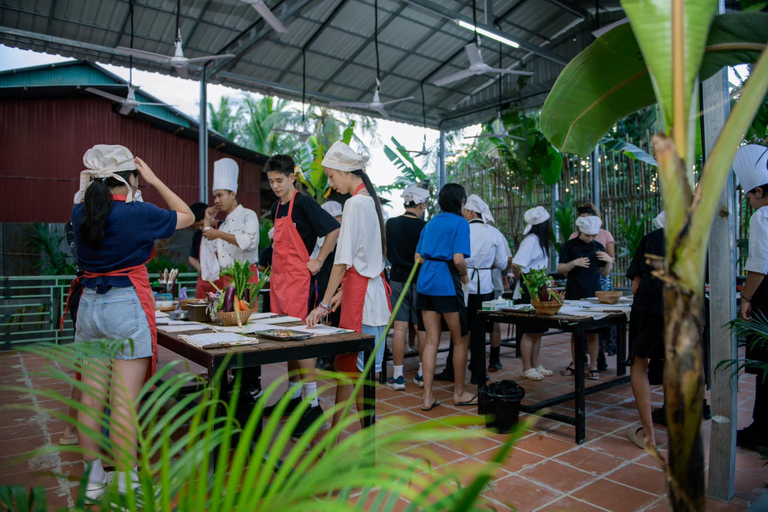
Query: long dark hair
point(98, 204)
point(541, 231)
point(451, 198)
point(372, 191)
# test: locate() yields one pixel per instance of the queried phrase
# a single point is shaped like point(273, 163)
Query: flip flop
point(593, 375)
point(69, 441)
point(569, 371)
point(434, 404)
point(469, 403)
point(632, 435)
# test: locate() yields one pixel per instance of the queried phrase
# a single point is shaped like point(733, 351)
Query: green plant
point(410, 172)
point(265, 224)
point(194, 455)
point(757, 329)
point(539, 286)
point(43, 238)
point(631, 233)
point(681, 42)
point(564, 217)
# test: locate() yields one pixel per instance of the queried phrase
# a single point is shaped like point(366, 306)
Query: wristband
point(326, 307)
point(206, 228)
point(744, 297)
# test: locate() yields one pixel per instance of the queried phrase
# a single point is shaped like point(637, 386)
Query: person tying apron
point(114, 236)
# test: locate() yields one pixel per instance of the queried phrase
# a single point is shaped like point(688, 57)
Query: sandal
point(632, 435)
point(593, 375)
point(544, 371)
point(434, 404)
point(533, 374)
point(568, 371)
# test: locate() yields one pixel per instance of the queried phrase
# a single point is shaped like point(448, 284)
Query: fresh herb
point(240, 274)
point(539, 284)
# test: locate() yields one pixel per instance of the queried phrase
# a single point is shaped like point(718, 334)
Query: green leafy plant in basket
point(538, 283)
point(240, 287)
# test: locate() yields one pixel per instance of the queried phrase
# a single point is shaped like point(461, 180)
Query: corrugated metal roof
point(418, 42)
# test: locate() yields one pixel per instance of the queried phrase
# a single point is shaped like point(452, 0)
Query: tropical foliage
point(681, 42)
point(223, 119)
point(410, 172)
point(630, 233)
point(43, 238)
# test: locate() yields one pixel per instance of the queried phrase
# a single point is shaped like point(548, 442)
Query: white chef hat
point(343, 158)
point(103, 161)
point(271, 233)
point(534, 216)
point(589, 225)
point(751, 166)
point(415, 194)
point(661, 220)
point(476, 204)
point(225, 172)
point(332, 207)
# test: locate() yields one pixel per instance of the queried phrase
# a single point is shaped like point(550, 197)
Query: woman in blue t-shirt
point(115, 237)
point(443, 245)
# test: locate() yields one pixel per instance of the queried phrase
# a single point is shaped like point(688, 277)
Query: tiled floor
point(546, 470)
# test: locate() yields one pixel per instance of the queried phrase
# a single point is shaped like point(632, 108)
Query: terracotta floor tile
point(405, 401)
point(14, 447)
point(472, 444)
point(520, 493)
point(516, 461)
point(614, 497)
point(736, 505)
point(617, 446)
point(543, 445)
point(558, 476)
point(751, 484)
point(436, 454)
point(661, 506)
point(569, 504)
point(591, 461)
point(641, 477)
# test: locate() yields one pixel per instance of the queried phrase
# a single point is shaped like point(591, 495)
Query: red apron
point(354, 288)
point(290, 280)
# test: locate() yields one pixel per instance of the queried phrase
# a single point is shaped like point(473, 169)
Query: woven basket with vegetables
point(543, 299)
point(240, 298)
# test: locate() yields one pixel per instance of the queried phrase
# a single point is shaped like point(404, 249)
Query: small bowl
point(178, 315)
point(608, 297)
point(164, 304)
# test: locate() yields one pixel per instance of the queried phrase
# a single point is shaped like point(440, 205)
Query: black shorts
point(646, 335)
point(530, 327)
point(442, 304)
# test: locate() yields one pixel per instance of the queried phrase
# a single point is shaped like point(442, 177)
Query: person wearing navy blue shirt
point(115, 237)
point(443, 246)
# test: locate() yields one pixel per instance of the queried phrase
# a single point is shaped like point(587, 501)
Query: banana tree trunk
point(684, 395)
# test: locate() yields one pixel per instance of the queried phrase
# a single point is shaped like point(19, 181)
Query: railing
point(31, 308)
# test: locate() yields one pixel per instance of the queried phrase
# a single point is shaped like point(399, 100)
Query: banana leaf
point(629, 150)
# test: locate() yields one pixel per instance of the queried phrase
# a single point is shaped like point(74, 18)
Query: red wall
point(42, 143)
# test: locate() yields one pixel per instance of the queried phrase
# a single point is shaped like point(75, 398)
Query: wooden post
point(722, 303)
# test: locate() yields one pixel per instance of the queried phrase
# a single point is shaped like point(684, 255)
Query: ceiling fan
point(178, 60)
point(128, 104)
point(376, 105)
point(268, 16)
point(423, 151)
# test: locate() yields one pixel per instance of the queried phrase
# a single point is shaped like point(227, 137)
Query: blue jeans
point(115, 315)
point(379, 354)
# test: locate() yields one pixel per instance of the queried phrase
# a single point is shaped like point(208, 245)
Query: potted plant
point(543, 299)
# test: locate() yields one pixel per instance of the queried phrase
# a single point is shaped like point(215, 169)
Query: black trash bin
point(500, 403)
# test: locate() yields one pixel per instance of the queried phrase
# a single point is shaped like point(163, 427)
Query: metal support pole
point(203, 137)
point(555, 193)
point(595, 178)
point(441, 177)
point(722, 305)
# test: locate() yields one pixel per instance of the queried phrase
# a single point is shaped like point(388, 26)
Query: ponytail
point(98, 205)
point(372, 192)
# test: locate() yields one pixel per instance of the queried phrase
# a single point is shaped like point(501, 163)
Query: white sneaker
point(95, 490)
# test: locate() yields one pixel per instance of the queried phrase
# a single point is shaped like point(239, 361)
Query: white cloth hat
point(271, 233)
point(476, 204)
point(343, 158)
point(751, 166)
point(103, 161)
point(589, 225)
point(332, 207)
point(225, 172)
point(661, 220)
point(533, 217)
point(415, 194)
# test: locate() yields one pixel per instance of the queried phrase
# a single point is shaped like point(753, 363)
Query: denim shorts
point(115, 315)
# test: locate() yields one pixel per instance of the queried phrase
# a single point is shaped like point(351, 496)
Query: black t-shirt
point(312, 222)
point(649, 296)
point(582, 282)
point(402, 238)
point(265, 257)
point(194, 249)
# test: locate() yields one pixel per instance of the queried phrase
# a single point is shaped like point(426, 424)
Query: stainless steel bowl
point(178, 315)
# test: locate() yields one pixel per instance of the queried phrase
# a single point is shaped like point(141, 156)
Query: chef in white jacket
point(236, 238)
point(488, 252)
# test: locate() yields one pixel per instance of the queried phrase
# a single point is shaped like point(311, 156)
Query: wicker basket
point(229, 319)
point(548, 308)
point(608, 297)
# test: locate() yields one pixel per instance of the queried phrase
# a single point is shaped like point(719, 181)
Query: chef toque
point(476, 204)
point(332, 207)
point(343, 158)
point(103, 161)
point(751, 166)
point(415, 194)
point(589, 225)
point(661, 220)
point(225, 173)
point(533, 217)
